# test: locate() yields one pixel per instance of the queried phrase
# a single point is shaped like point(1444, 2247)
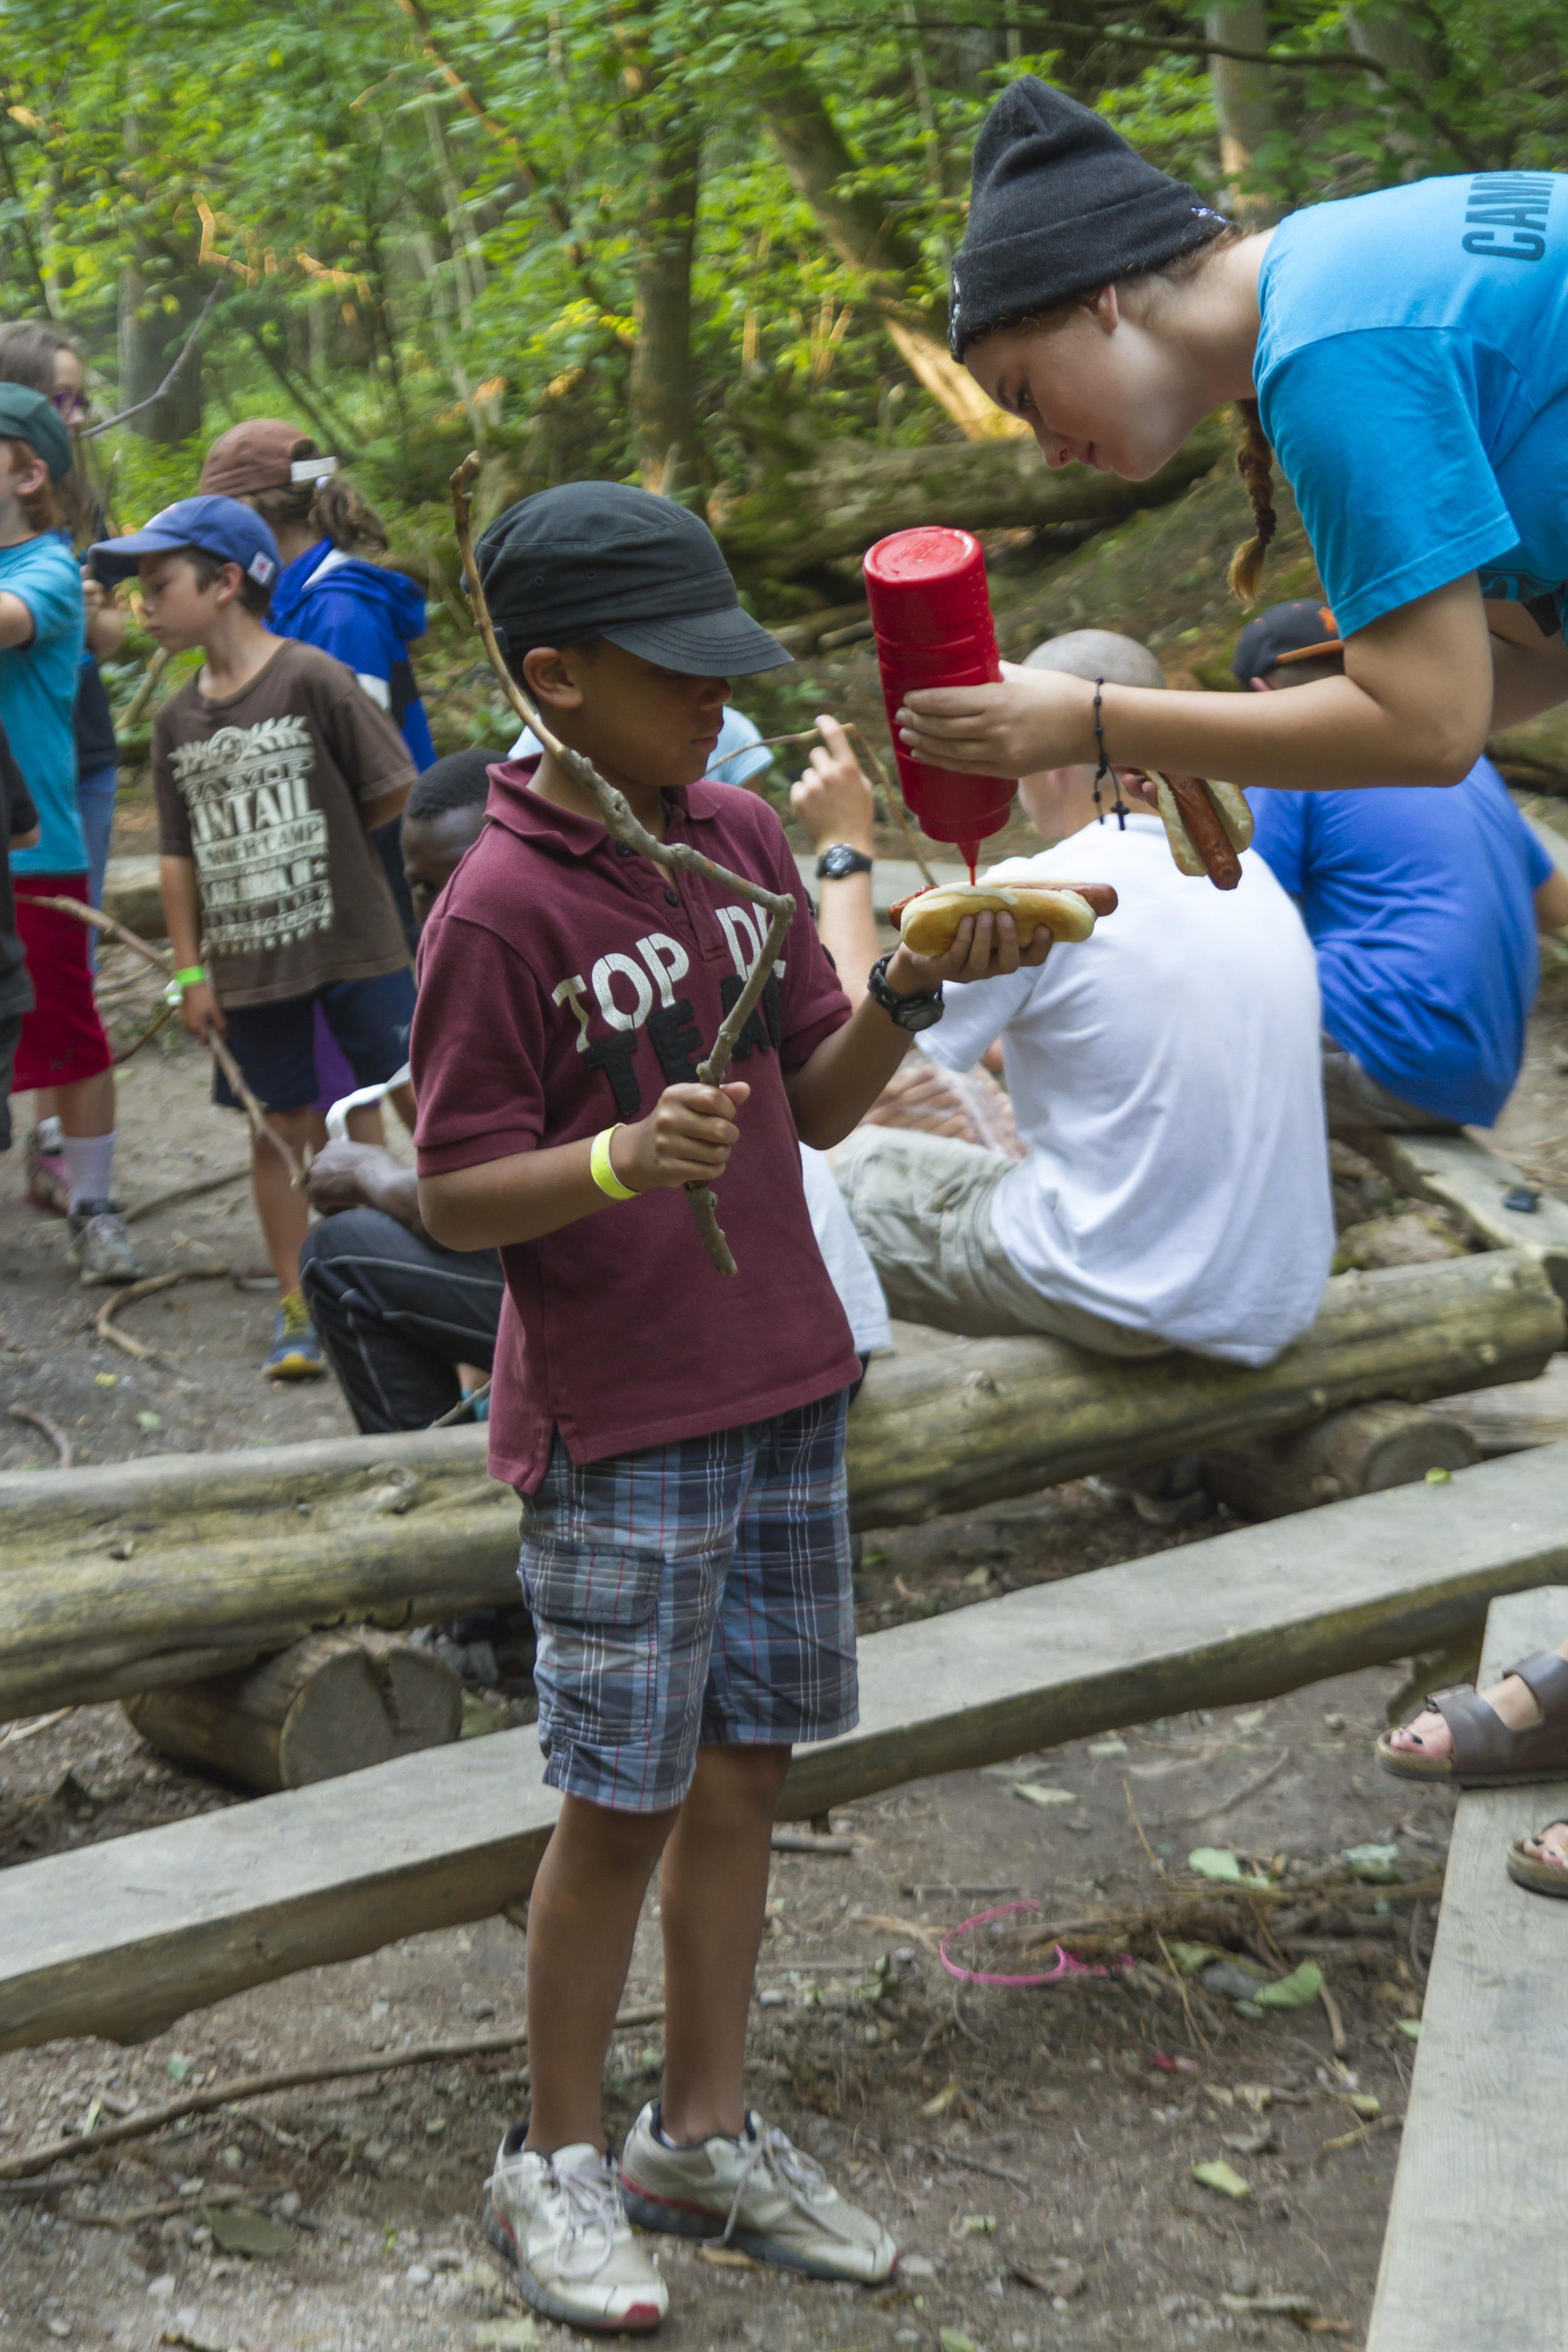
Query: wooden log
point(1475, 2252)
point(334, 1703)
point(1524, 1413)
point(1362, 1450)
point(1460, 1174)
point(122, 1938)
point(141, 1575)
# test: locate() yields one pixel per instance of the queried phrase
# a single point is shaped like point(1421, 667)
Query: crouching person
point(677, 1437)
point(1165, 1078)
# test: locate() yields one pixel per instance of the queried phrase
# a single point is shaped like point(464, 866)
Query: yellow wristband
point(602, 1173)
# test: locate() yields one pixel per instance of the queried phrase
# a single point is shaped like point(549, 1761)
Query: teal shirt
point(1412, 374)
point(37, 698)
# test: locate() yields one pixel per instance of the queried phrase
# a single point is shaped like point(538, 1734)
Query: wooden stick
point(39, 2157)
point(103, 1321)
point(138, 703)
point(616, 813)
point(51, 1430)
point(260, 1122)
point(191, 1191)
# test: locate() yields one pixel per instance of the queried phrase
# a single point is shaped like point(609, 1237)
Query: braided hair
point(1255, 464)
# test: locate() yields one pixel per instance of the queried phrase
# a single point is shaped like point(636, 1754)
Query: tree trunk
point(231, 1557)
point(857, 495)
point(1359, 1452)
point(860, 230)
point(155, 316)
point(331, 1704)
point(669, 448)
point(1244, 101)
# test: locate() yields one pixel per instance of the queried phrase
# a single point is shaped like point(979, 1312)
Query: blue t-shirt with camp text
point(37, 698)
point(1419, 904)
point(1412, 373)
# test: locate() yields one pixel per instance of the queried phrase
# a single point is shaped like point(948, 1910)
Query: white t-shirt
point(1166, 1079)
point(846, 1257)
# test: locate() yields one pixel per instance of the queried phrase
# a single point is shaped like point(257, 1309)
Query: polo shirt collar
point(514, 805)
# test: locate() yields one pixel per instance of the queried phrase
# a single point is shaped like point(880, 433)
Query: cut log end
point(333, 1703)
point(1359, 1452)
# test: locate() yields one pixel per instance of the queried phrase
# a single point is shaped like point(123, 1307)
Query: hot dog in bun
point(928, 922)
point(1205, 824)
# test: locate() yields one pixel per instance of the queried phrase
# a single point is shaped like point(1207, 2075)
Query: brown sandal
point(1528, 1870)
point(1486, 1753)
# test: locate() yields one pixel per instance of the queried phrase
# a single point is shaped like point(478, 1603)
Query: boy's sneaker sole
point(550, 2306)
point(673, 2220)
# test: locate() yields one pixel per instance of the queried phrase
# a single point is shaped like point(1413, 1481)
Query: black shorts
point(275, 1045)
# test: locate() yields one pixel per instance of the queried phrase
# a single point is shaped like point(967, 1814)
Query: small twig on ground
point(1192, 2026)
point(1362, 2132)
point(18, 1732)
point(1336, 2023)
point(191, 1191)
point(29, 2160)
point(675, 856)
point(787, 1840)
point(1155, 1864)
point(260, 1124)
point(103, 1321)
point(51, 1430)
point(1248, 1789)
point(978, 2164)
point(161, 2212)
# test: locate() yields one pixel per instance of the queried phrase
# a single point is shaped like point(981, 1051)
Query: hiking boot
point(758, 2193)
point(100, 1246)
point(558, 2221)
point(295, 1353)
point(48, 1185)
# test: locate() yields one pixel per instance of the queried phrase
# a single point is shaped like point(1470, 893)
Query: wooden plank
point(1476, 2254)
point(139, 1576)
point(1460, 1174)
point(121, 1939)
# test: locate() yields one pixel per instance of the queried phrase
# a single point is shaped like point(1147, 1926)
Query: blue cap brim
point(116, 559)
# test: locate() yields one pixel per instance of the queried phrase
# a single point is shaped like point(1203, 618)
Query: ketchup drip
point(931, 615)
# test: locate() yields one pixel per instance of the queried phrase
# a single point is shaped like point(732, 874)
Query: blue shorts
point(691, 1595)
point(275, 1045)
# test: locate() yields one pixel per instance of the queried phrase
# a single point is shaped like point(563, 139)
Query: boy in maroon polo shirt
point(676, 1438)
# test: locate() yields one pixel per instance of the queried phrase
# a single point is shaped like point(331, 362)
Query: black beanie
point(1059, 204)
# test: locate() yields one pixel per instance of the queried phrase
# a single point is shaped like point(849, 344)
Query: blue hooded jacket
point(366, 617)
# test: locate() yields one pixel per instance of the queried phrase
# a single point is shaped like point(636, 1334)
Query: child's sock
point(89, 1164)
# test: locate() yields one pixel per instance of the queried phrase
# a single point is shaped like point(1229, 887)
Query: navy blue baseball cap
point(224, 527)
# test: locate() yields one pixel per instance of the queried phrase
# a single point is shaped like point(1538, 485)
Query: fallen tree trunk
point(141, 1575)
point(331, 1704)
point(1362, 1450)
point(857, 495)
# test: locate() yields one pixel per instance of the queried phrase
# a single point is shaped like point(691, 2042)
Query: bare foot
point(1428, 1735)
point(1551, 1845)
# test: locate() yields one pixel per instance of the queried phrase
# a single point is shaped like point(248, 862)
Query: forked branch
point(675, 856)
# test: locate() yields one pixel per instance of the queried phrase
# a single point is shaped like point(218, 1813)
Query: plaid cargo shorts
point(692, 1595)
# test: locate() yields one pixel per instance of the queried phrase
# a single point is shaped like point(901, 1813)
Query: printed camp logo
point(1505, 214)
point(259, 845)
point(636, 993)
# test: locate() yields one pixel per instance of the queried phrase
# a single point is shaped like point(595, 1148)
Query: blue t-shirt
point(37, 698)
point(1412, 373)
point(1419, 905)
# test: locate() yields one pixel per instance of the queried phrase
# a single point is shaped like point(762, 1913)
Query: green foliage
point(432, 221)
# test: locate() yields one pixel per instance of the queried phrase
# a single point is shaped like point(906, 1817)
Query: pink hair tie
point(1066, 1965)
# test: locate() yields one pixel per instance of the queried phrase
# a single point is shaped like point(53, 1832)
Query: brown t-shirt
point(263, 791)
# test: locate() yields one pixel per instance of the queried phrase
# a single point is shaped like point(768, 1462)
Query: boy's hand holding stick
point(259, 1123)
point(623, 826)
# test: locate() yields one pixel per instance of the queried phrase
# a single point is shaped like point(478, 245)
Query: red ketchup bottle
point(932, 618)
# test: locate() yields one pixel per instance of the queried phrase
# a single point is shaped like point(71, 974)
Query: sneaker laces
point(296, 1315)
point(592, 2201)
point(800, 2176)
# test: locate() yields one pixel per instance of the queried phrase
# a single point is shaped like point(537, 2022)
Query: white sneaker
point(758, 2193)
point(559, 2219)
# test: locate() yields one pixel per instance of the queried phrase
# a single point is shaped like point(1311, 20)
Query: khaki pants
point(921, 1204)
point(1354, 1097)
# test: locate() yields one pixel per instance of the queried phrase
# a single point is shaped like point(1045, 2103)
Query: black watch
point(911, 1013)
point(838, 860)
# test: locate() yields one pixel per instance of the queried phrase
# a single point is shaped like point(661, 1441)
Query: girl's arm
point(1414, 706)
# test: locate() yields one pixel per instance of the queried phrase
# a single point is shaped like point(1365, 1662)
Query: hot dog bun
point(928, 922)
point(1206, 824)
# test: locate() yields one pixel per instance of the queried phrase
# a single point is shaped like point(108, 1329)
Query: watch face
point(836, 863)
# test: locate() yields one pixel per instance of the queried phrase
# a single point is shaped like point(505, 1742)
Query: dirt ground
point(1032, 2148)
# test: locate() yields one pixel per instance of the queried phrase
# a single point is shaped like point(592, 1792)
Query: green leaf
point(1037, 1793)
point(1378, 1865)
point(1191, 1957)
point(1294, 1991)
point(1218, 1862)
point(953, 2339)
point(1411, 2026)
point(149, 1421)
point(1224, 2177)
point(239, 2230)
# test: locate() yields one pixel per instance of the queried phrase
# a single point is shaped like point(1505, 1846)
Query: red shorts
point(62, 1037)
